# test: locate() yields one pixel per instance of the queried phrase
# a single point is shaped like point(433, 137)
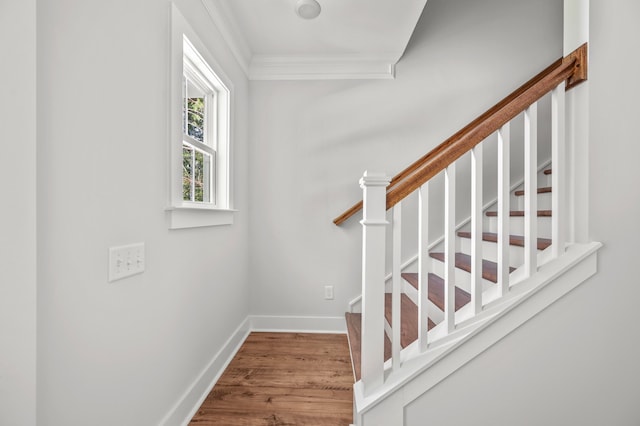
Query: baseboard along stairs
point(483, 278)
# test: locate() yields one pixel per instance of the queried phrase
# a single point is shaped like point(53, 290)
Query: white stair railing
point(374, 245)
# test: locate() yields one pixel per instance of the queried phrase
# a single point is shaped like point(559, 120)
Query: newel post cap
point(374, 179)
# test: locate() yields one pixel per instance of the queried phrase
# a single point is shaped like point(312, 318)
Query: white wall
point(577, 362)
point(311, 141)
point(18, 224)
point(124, 353)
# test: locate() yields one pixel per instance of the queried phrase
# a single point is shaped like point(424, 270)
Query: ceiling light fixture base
point(308, 9)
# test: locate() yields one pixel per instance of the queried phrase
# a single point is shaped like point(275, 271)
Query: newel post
point(374, 187)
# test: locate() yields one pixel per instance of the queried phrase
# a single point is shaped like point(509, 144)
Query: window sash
point(209, 196)
point(210, 119)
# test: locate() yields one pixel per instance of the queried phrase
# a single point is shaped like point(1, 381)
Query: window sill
point(196, 217)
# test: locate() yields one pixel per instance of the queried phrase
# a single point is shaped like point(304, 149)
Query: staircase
point(436, 284)
point(482, 278)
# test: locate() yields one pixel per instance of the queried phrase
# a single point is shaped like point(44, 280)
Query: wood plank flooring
point(279, 379)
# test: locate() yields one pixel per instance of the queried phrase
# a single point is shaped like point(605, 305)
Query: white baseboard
point(298, 324)
point(192, 399)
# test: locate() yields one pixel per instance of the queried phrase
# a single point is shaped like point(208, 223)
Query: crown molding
point(226, 23)
point(334, 67)
point(295, 67)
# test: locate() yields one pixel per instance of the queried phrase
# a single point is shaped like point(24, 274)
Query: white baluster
point(373, 277)
point(504, 184)
point(423, 265)
point(558, 181)
point(476, 229)
point(396, 324)
point(531, 190)
point(449, 247)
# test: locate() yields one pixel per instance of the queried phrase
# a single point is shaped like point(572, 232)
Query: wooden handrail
point(572, 68)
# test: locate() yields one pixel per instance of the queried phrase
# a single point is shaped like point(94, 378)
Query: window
point(200, 133)
point(199, 96)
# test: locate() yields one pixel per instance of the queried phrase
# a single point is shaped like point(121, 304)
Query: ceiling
point(350, 38)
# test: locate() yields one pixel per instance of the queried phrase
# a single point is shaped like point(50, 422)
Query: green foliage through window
point(195, 167)
point(195, 118)
point(195, 163)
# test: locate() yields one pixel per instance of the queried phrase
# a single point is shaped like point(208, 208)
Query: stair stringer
point(421, 372)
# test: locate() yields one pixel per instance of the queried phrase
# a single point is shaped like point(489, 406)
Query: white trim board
point(344, 67)
point(224, 21)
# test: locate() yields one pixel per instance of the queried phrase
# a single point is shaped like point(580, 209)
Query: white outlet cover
point(328, 292)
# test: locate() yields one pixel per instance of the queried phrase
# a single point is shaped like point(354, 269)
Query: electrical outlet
point(328, 292)
point(125, 261)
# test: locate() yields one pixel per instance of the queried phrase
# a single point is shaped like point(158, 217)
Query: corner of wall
point(182, 412)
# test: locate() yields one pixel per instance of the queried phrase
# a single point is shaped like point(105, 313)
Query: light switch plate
point(125, 261)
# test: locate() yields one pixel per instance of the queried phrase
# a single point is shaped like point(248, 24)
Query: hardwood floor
point(279, 379)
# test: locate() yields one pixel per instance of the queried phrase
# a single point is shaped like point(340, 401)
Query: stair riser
point(490, 251)
point(543, 180)
point(544, 202)
point(462, 278)
point(516, 226)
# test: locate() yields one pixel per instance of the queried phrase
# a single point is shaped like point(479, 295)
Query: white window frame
point(188, 51)
point(197, 73)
